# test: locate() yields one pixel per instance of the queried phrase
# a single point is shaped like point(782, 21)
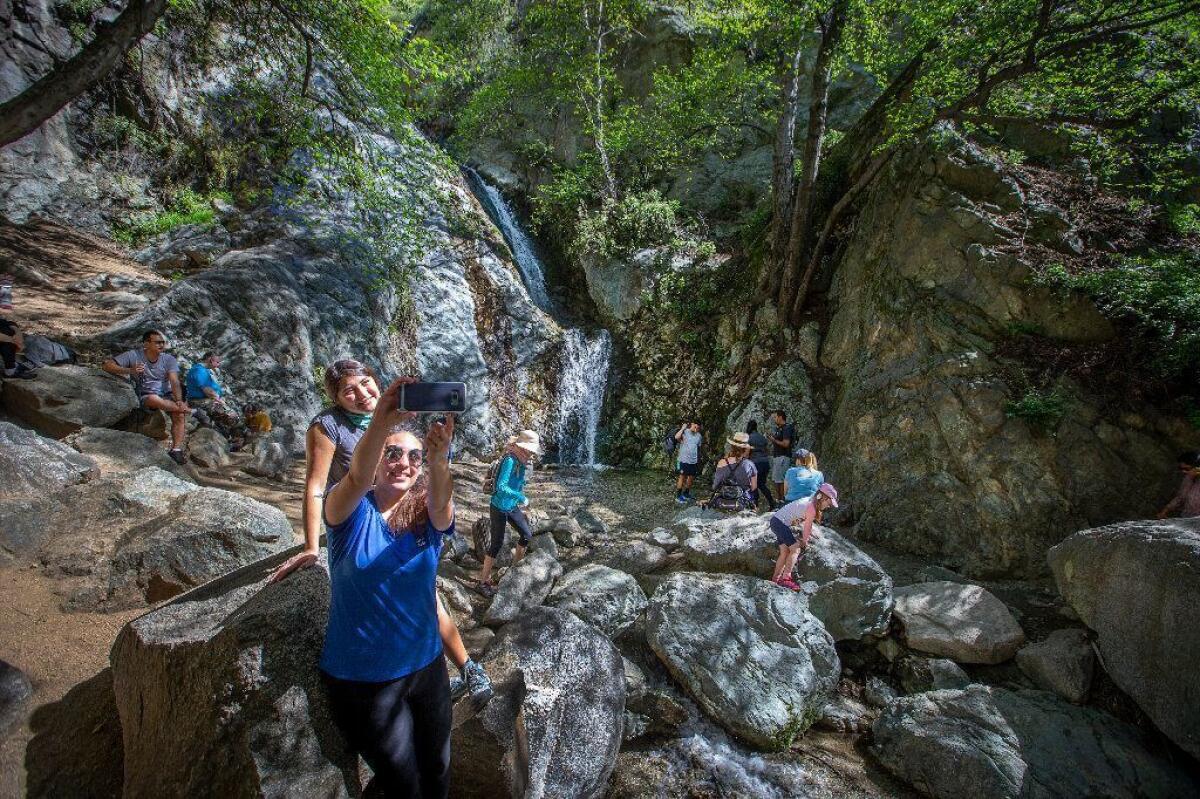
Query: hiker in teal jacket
point(508, 499)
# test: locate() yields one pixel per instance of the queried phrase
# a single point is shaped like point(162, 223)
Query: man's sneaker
point(681, 499)
point(458, 687)
point(20, 372)
point(478, 686)
point(178, 456)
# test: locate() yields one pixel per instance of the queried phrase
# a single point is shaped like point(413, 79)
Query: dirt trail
point(46, 260)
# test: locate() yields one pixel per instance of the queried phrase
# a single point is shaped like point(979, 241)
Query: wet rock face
point(965, 623)
point(554, 726)
point(1135, 584)
point(64, 399)
point(990, 743)
point(123, 541)
point(926, 456)
point(749, 652)
point(33, 466)
point(219, 693)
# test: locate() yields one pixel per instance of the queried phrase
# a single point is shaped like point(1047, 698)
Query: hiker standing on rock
point(382, 659)
point(803, 479)
point(689, 439)
point(781, 449)
point(329, 446)
point(762, 464)
point(506, 479)
point(155, 374)
point(735, 478)
point(798, 516)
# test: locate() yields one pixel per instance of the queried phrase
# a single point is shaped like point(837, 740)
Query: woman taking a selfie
point(329, 445)
point(382, 659)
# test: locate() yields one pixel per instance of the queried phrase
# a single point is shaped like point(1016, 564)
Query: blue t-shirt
point(510, 484)
point(801, 482)
point(199, 377)
point(383, 610)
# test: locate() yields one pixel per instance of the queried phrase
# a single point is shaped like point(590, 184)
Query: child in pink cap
point(800, 513)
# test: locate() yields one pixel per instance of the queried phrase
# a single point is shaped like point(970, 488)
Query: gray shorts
point(779, 466)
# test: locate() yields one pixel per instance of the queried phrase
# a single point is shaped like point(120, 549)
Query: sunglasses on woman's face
point(393, 454)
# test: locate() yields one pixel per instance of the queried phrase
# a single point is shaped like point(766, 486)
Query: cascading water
point(583, 375)
point(581, 385)
point(522, 248)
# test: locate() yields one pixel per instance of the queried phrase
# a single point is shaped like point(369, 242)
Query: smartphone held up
point(433, 397)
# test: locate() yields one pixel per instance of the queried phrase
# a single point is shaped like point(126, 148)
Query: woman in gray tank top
point(328, 446)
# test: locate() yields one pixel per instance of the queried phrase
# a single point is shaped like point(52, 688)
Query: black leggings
point(764, 482)
point(499, 518)
point(401, 728)
point(8, 350)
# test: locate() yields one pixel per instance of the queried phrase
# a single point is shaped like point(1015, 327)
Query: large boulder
point(64, 399)
point(554, 726)
point(525, 585)
point(1063, 663)
point(963, 622)
point(929, 300)
point(126, 540)
point(631, 557)
point(208, 448)
point(1136, 585)
point(747, 650)
point(848, 591)
point(219, 693)
point(34, 466)
point(117, 451)
point(605, 598)
point(992, 743)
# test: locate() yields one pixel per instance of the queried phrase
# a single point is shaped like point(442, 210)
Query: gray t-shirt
point(153, 381)
point(689, 447)
point(345, 437)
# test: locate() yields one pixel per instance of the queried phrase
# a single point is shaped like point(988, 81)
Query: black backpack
point(729, 497)
point(669, 442)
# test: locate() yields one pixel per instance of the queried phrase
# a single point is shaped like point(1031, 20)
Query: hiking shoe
point(178, 456)
point(458, 687)
point(487, 589)
point(20, 372)
point(681, 500)
point(477, 684)
point(788, 583)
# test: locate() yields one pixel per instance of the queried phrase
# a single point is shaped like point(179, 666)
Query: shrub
point(187, 208)
point(1160, 296)
point(1044, 409)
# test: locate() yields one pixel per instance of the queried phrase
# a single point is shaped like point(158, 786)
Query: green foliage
point(618, 227)
point(186, 208)
point(1044, 409)
point(1185, 218)
point(1159, 295)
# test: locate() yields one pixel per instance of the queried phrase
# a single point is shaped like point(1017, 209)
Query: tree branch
point(24, 113)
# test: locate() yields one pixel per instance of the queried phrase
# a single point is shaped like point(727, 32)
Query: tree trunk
point(23, 114)
point(818, 112)
point(781, 173)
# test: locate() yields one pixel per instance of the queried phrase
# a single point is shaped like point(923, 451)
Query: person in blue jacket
point(508, 502)
point(803, 479)
point(382, 658)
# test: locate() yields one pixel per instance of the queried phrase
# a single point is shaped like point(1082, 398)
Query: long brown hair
point(346, 367)
point(412, 512)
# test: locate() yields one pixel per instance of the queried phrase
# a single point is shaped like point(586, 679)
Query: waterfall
point(518, 241)
point(581, 385)
point(583, 374)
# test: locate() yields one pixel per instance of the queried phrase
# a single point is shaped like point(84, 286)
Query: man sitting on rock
point(205, 394)
point(155, 374)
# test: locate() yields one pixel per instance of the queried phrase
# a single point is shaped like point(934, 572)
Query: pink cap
point(828, 490)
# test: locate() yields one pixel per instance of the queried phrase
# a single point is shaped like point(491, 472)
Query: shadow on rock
point(76, 746)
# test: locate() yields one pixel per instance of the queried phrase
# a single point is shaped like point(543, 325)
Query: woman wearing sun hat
point(736, 465)
point(801, 514)
point(508, 500)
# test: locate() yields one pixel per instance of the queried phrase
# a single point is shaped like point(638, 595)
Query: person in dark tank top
point(329, 446)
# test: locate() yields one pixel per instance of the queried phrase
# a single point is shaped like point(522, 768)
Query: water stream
point(583, 374)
